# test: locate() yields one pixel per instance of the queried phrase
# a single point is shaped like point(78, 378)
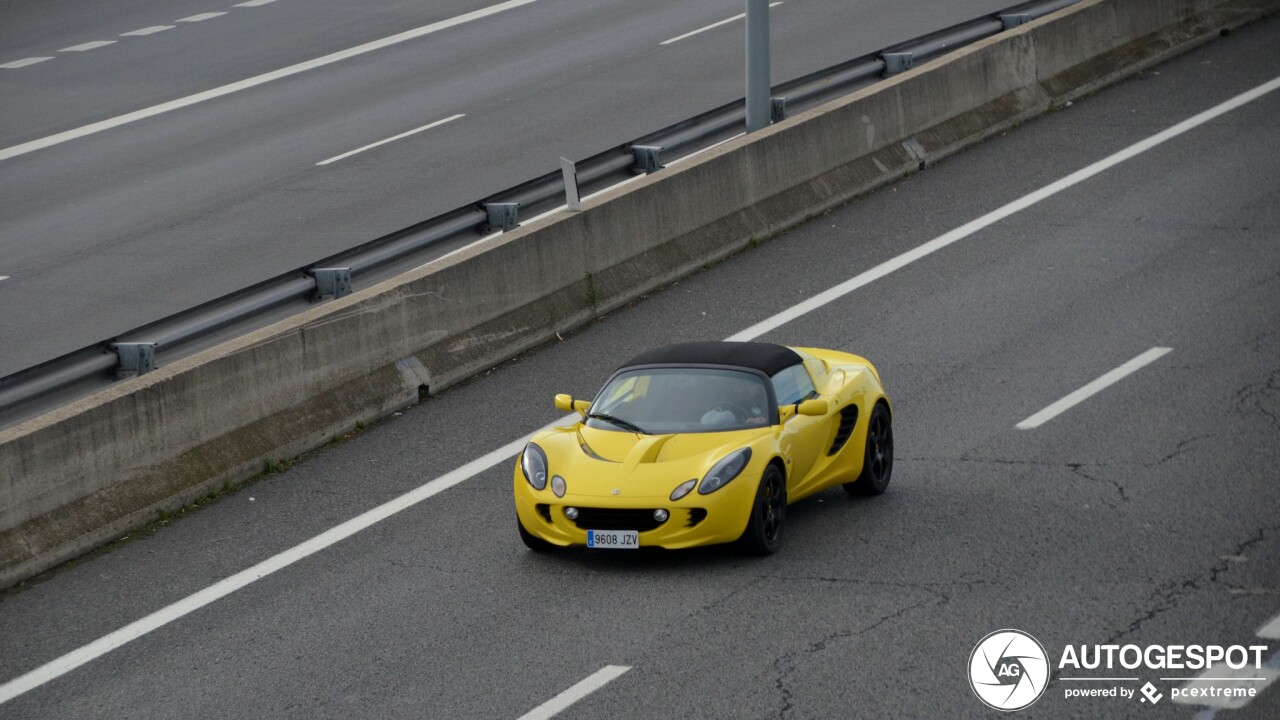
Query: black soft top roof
point(766, 357)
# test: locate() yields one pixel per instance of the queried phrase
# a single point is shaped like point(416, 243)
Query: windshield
point(681, 400)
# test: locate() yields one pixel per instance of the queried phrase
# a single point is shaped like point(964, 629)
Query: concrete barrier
point(77, 477)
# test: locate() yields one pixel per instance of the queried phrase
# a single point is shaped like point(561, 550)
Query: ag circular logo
point(1008, 670)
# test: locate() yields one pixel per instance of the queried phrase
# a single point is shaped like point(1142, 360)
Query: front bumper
point(694, 519)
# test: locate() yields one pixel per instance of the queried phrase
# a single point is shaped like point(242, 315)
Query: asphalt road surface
point(1145, 514)
point(168, 207)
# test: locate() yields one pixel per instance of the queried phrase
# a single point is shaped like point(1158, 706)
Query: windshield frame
point(772, 400)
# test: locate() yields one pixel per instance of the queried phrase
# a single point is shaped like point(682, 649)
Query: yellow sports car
point(702, 443)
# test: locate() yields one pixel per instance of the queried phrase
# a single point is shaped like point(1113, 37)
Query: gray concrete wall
point(88, 472)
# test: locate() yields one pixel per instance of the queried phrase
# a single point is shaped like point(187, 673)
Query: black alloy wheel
point(763, 535)
point(877, 465)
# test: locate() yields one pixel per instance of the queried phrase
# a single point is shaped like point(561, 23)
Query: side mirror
point(785, 413)
point(814, 408)
point(566, 403)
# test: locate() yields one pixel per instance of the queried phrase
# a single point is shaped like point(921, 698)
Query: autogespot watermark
point(1009, 670)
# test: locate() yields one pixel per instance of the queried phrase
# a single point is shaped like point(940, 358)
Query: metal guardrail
point(38, 388)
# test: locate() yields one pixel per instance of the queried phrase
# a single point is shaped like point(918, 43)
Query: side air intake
point(848, 419)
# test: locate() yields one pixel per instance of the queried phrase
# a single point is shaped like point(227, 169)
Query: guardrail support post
point(895, 63)
point(758, 105)
point(332, 283)
point(570, 173)
point(648, 158)
point(135, 358)
point(502, 216)
point(1013, 20)
point(778, 111)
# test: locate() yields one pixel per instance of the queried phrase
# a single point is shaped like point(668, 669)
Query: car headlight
point(724, 471)
point(683, 489)
point(533, 463)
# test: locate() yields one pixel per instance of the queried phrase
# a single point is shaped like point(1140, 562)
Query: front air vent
point(696, 515)
point(848, 419)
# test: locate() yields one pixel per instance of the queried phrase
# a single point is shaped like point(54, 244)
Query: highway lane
point(109, 231)
point(1145, 514)
point(137, 71)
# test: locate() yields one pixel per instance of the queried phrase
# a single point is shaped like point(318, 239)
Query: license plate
point(613, 539)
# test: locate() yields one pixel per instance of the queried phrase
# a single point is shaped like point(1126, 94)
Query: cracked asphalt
point(1147, 514)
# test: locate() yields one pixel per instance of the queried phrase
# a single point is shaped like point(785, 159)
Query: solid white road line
point(4, 277)
point(1271, 630)
point(201, 17)
point(593, 682)
point(88, 46)
point(218, 92)
point(437, 123)
point(254, 3)
point(160, 618)
point(712, 26)
point(24, 62)
point(97, 648)
point(999, 214)
point(1093, 388)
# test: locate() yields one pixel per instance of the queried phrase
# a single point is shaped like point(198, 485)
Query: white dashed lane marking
point(712, 26)
point(1093, 388)
point(154, 110)
point(88, 46)
point(201, 17)
point(141, 32)
point(148, 31)
point(593, 682)
point(371, 146)
point(24, 62)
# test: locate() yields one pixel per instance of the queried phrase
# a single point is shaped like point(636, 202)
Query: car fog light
point(571, 513)
point(557, 486)
point(661, 515)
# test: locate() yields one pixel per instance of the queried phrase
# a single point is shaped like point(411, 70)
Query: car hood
point(608, 463)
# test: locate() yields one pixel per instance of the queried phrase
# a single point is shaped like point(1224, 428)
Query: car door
point(803, 436)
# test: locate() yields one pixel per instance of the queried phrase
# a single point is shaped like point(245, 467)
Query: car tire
point(763, 535)
point(877, 462)
point(532, 541)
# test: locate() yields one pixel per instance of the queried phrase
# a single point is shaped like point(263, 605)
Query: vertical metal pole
point(570, 173)
point(759, 108)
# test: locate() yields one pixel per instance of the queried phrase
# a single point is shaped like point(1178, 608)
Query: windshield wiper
point(619, 422)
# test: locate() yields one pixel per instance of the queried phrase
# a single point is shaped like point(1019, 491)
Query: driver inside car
point(741, 397)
